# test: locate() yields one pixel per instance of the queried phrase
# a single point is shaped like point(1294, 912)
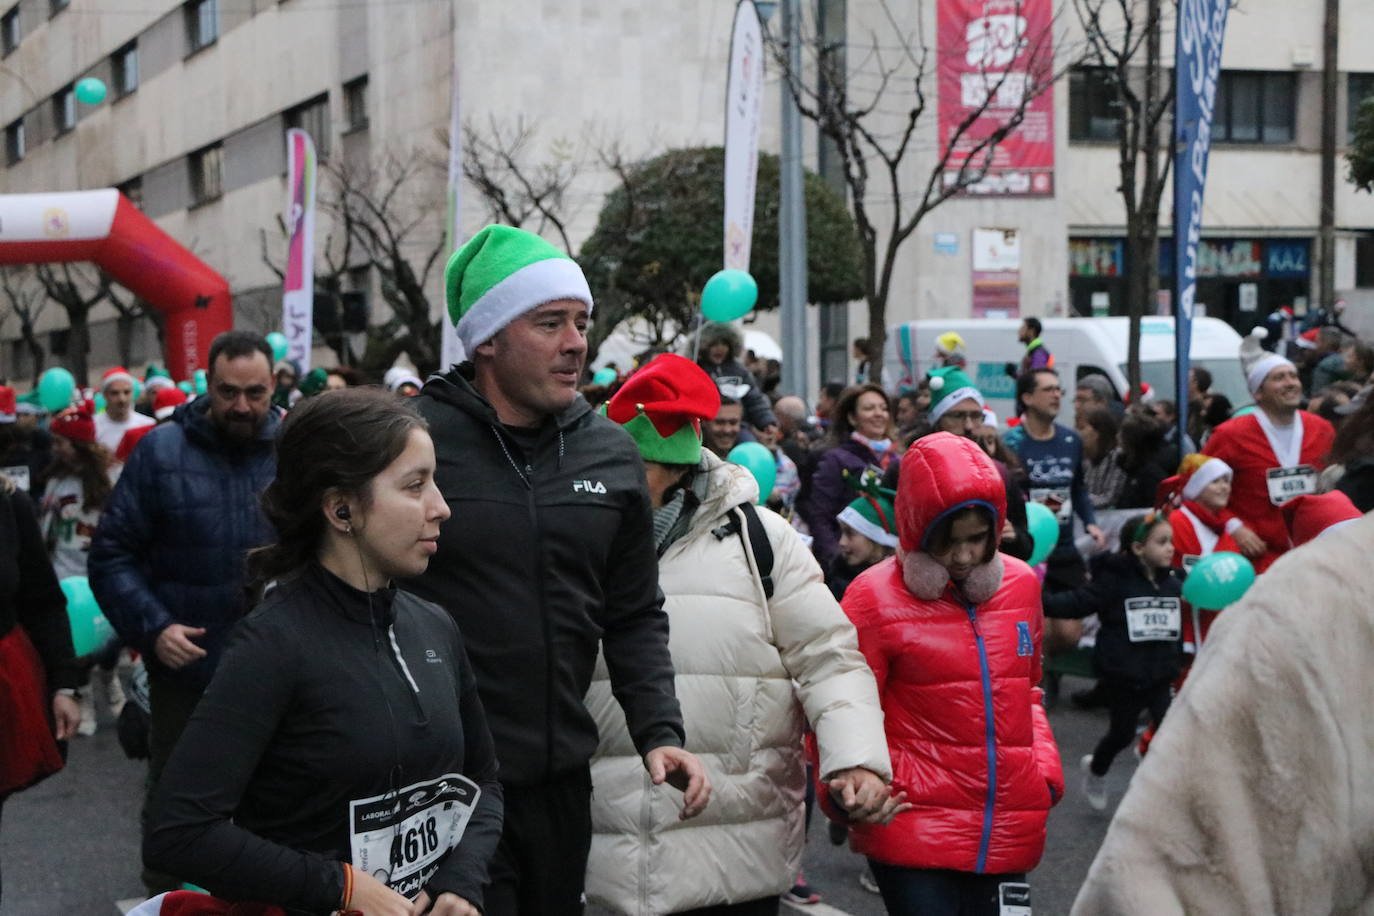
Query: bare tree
point(875, 160)
point(1123, 43)
point(76, 292)
point(516, 191)
point(389, 211)
point(25, 300)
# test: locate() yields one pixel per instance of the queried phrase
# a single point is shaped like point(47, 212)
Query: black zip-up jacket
point(324, 697)
point(1117, 581)
point(547, 555)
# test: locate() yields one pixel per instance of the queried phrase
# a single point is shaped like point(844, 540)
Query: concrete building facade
point(201, 92)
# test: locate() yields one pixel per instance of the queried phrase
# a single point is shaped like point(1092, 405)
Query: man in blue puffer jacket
point(167, 562)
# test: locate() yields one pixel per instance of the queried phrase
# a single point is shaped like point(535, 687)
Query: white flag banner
point(743, 99)
point(298, 287)
point(450, 347)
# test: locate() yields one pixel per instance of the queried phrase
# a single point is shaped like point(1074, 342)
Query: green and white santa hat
point(874, 516)
point(502, 273)
point(949, 386)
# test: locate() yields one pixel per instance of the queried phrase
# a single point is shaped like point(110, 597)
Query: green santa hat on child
point(502, 273)
point(949, 386)
point(873, 514)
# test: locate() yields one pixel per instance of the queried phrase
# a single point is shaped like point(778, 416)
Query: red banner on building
point(996, 59)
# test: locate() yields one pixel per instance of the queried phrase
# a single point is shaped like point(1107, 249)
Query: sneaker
point(1094, 786)
point(867, 881)
point(801, 894)
point(87, 726)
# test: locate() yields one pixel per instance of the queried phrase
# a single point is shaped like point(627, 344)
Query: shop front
point(1239, 280)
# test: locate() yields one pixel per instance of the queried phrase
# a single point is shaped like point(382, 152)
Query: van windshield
point(1227, 378)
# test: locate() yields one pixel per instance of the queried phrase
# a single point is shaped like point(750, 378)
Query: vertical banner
point(996, 273)
point(996, 58)
point(298, 288)
point(743, 98)
point(451, 349)
point(1197, 51)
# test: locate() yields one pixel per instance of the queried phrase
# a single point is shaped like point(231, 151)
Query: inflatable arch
point(105, 228)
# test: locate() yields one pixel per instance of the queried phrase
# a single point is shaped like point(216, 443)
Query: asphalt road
point(70, 845)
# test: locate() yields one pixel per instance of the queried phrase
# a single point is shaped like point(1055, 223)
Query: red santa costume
point(1271, 464)
point(1199, 531)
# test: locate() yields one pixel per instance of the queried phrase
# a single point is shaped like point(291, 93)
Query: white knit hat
point(1258, 362)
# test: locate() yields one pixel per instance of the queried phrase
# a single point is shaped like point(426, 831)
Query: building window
point(313, 118)
point(355, 103)
point(57, 6)
point(207, 173)
point(125, 62)
point(14, 142)
point(64, 109)
point(1254, 107)
point(9, 29)
point(57, 342)
point(133, 189)
point(1364, 262)
point(1358, 88)
point(1094, 109)
point(202, 23)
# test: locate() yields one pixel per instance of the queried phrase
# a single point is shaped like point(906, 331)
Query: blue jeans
point(936, 892)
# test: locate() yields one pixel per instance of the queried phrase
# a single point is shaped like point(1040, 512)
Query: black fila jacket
point(549, 554)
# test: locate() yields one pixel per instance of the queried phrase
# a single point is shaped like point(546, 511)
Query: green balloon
point(728, 295)
point(90, 90)
point(1218, 580)
point(99, 402)
point(758, 461)
point(55, 389)
point(91, 632)
point(199, 381)
point(604, 376)
point(1044, 532)
point(1244, 411)
point(277, 341)
point(187, 388)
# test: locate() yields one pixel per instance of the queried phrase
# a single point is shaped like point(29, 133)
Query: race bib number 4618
point(400, 839)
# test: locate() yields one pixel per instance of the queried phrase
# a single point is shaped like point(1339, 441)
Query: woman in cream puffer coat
point(750, 670)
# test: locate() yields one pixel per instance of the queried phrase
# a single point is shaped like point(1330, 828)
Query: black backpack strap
point(757, 540)
point(763, 550)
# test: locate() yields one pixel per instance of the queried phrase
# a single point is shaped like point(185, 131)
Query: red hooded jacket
point(970, 742)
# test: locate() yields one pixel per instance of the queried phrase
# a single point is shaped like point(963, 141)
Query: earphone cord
point(394, 777)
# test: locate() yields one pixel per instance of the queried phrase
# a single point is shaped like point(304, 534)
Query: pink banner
point(298, 286)
point(994, 55)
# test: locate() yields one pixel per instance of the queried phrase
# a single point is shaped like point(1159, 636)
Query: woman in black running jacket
point(340, 758)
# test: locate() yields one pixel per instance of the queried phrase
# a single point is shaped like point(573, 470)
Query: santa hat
point(9, 404)
point(662, 405)
point(1310, 516)
point(77, 424)
point(117, 374)
point(1257, 361)
point(166, 401)
point(159, 382)
point(502, 273)
point(874, 516)
point(194, 903)
point(990, 417)
point(1195, 472)
point(131, 438)
point(950, 343)
point(948, 386)
point(396, 378)
point(1307, 339)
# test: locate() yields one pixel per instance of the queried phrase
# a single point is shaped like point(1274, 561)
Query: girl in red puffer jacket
point(952, 631)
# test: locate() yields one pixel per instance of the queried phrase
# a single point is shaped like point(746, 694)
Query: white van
point(1080, 346)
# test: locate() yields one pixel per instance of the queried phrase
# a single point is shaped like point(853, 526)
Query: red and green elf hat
point(662, 405)
point(873, 514)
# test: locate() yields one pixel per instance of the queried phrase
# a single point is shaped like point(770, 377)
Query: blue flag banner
point(1197, 52)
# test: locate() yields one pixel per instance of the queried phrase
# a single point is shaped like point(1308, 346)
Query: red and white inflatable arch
point(105, 228)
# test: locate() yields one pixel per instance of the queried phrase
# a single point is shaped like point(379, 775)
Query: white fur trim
point(851, 517)
point(113, 377)
point(156, 383)
point(526, 289)
point(990, 418)
point(940, 407)
point(402, 378)
point(1261, 368)
point(1211, 470)
point(1232, 525)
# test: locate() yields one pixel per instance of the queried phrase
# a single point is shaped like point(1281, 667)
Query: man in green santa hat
point(549, 555)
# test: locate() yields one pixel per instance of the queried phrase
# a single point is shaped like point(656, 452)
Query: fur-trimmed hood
point(714, 332)
point(941, 474)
